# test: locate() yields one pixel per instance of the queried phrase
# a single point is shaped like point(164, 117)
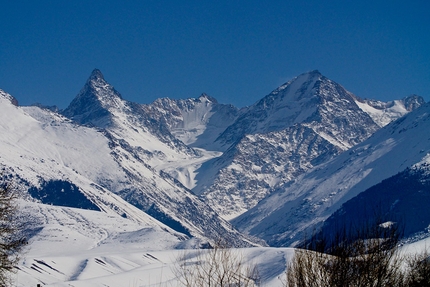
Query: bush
point(418, 272)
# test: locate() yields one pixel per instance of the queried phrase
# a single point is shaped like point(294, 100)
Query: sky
point(234, 51)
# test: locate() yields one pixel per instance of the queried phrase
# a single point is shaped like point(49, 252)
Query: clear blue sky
point(235, 51)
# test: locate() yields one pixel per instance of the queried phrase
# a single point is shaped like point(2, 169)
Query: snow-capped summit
point(306, 121)
point(299, 86)
point(96, 75)
point(308, 98)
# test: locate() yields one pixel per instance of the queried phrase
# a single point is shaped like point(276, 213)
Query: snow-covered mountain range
point(52, 157)
point(185, 167)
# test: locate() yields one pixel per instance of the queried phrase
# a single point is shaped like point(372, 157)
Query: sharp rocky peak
point(96, 74)
point(98, 85)
point(94, 101)
point(205, 97)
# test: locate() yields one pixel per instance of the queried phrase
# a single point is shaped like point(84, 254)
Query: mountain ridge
point(186, 162)
point(109, 170)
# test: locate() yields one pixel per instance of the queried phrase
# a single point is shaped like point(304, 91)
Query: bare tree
point(360, 258)
point(418, 272)
point(217, 267)
point(11, 240)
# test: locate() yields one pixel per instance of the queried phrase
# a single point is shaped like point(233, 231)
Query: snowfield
point(75, 247)
point(81, 248)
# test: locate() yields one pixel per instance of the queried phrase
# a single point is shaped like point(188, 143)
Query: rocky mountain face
point(303, 123)
point(94, 102)
point(298, 207)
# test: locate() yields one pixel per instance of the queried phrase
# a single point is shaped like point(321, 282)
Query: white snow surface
point(384, 116)
point(75, 247)
point(81, 248)
point(194, 121)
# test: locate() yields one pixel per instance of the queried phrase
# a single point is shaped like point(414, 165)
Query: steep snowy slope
point(384, 113)
point(196, 122)
point(301, 205)
point(54, 148)
point(303, 123)
point(43, 149)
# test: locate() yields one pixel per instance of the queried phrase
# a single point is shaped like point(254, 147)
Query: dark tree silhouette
point(216, 267)
point(11, 239)
point(363, 257)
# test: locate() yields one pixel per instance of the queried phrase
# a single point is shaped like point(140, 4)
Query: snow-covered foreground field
point(108, 250)
point(133, 268)
point(82, 248)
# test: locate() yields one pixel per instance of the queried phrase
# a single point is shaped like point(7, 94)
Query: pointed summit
point(206, 97)
point(95, 102)
point(96, 80)
point(96, 74)
point(314, 73)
